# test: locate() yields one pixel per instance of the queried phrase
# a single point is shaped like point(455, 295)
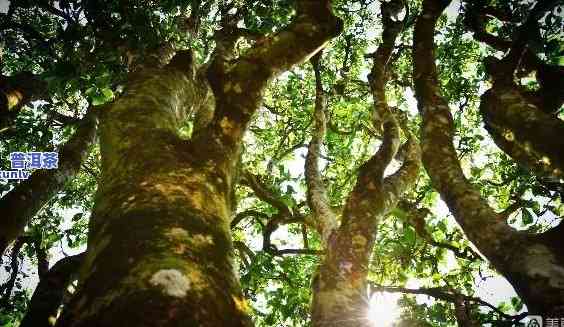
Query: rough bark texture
point(339, 286)
point(530, 136)
point(159, 248)
point(15, 92)
point(522, 122)
point(23, 202)
point(533, 264)
point(173, 264)
point(324, 219)
point(48, 295)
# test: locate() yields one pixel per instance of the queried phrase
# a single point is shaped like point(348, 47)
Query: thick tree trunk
point(340, 295)
point(22, 203)
point(159, 247)
point(159, 251)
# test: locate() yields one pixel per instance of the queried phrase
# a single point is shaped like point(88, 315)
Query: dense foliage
point(82, 53)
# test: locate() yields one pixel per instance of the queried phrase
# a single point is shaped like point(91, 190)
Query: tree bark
point(533, 264)
point(530, 136)
point(159, 246)
point(173, 265)
point(22, 203)
point(340, 295)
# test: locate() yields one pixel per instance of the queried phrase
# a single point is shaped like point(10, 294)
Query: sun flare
point(383, 309)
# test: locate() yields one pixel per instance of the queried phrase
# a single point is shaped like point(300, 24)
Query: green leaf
point(526, 217)
point(409, 235)
point(107, 93)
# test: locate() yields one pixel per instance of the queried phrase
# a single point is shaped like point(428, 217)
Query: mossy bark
point(340, 295)
point(159, 250)
point(533, 138)
point(159, 247)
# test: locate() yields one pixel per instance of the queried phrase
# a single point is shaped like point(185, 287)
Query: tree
point(484, 227)
point(228, 163)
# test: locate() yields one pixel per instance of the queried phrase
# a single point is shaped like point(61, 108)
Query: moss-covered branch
point(324, 219)
point(238, 84)
point(528, 135)
point(341, 279)
point(478, 220)
point(511, 252)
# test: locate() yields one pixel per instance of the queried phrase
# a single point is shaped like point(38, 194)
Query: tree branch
point(238, 85)
point(416, 218)
point(445, 295)
point(23, 202)
point(263, 192)
point(478, 220)
point(324, 219)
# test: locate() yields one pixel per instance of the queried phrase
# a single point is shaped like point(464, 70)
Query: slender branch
point(8, 286)
point(416, 218)
point(257, 215)
point(324, 219)
point(264, 193)
point(445, 295)
point(298, 251)
point(244, 252)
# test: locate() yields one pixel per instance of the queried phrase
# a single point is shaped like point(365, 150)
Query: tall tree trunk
point(532, 263)
point(159, 250)
point(159, 246)
point(340, 295)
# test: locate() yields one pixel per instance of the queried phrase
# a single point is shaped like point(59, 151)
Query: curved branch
point(527, 134)
point(445, 295)
point(263, 192)
point(23, 202)
point(238, 85)
point(397, 183)
point(249, 213)
point(478, 220)
point(324, 218)
point(416, 218)
point(511, 252)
